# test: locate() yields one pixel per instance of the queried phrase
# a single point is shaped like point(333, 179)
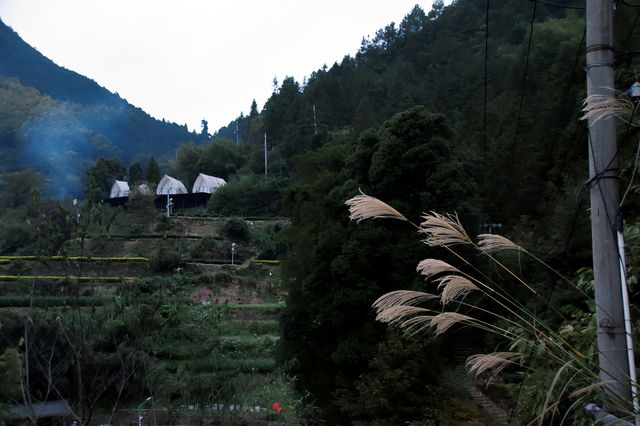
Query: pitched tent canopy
point(119, 189)
point(169, 185)
point(207, 184)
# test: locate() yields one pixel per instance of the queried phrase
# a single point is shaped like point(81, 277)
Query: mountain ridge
point(57, 122)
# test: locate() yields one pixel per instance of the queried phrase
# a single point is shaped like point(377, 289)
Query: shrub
point(164, 260)
point(246, 195)
point(235, 228)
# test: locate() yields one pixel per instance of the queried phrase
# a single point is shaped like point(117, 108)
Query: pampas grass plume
point(441, 230)
point(363, 207)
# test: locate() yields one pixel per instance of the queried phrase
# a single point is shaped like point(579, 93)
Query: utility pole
point(265, 157)
point(603, 185)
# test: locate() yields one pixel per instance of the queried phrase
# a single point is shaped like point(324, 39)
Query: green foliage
point(399, 385)
point(164, 259)
point(100, 177)
point(10, 375)
point(20, 188)
point(332, 275)
point(220, 158)
point(153, 172)
point(235, 228)
point(135, 175)
point(246, 195)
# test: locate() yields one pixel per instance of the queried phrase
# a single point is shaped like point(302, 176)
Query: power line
point(524, 84)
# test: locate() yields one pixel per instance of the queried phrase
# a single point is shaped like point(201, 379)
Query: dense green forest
point(471, 109)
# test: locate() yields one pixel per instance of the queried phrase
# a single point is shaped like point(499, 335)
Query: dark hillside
point(23, 62)
point(56, 121)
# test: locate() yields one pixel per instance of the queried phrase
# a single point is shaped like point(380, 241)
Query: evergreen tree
point(135, 173)
point(254, 109)
point(153, 172)
point(204, 134)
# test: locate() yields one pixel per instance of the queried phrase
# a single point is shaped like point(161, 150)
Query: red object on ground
point(276, 406)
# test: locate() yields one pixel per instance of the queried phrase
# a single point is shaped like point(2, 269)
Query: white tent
point(119, 189)
point(169, 185)
point(207, 184)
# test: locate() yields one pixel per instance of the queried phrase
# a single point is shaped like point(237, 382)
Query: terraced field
point(237, 304)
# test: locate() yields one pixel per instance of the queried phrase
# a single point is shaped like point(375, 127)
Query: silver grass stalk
point(588, 389)
point(416, 325)
point(431, 267)
point(441, 230)
point(444, 321)
point(363, 207)
point(454, 286)
point(398, 314)
point(599, 107)
point(494, 362)
point(493, 243)
point(402, 297)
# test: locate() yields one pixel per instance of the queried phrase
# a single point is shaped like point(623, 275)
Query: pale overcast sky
point(198, 59)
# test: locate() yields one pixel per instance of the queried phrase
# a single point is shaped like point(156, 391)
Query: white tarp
point(207, 184)
point(119, 189)
point(169, 185)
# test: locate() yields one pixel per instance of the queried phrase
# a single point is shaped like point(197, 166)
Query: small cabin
point(207, 184)
point(170, 186)
point(119, 189)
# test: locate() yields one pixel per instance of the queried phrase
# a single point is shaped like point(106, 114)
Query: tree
point(153, 172)
point(186, 165)
point(19, 188)
point(254, 109)
point(100, 177)
point(436, 9)
point(205, 129)
point(135, 173)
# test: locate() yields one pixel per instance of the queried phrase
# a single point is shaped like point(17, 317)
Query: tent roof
point(120, 184)
point(206, 183)
point(119, 189)
point(169, 185)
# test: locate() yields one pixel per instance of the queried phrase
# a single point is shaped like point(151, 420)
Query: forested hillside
point(56, 121)
point(472, 108)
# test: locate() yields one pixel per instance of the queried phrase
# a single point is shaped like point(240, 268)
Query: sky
point(190, 60)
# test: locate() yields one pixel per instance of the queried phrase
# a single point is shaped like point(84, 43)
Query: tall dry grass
point(525, 338)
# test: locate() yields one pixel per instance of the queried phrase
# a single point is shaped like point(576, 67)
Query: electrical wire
point(524, 85)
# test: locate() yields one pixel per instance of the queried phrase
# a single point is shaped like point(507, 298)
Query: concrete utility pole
point(603, 184)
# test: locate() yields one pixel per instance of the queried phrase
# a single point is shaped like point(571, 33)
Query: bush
point(235, 228)
point(164, 260)
point(246, 195)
